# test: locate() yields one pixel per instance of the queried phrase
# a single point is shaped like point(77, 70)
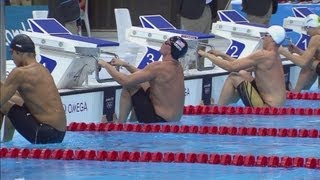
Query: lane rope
point(194, 129)
point(303, 95)
point(238, 110)
point(167, 157)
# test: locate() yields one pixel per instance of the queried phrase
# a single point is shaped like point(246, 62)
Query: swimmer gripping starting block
point(297, 24)
point(154, 31)
point(69, 58)
point(244, 36)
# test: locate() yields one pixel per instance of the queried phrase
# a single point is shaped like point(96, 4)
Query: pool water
point(163, 142)
point(70, 170)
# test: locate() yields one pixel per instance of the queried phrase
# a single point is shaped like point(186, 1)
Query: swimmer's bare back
point(41, 96)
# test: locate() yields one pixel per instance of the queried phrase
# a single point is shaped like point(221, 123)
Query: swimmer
point(308, 60)
point(267, 87)
point(156, 93)
point(29, 97)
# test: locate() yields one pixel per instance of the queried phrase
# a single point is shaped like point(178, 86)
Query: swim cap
point(179, 47)
point(312, 20)
point(22, 43)
point(277, 33)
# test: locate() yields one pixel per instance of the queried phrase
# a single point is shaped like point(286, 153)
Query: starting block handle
point(95, 52)
point(98, 68)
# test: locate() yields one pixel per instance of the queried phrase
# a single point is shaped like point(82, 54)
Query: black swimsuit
point(144, 108)
point(31, 129)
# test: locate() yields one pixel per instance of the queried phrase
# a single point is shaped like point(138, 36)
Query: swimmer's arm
point(231, 66)
point(119, 62)
point(132, 79)
point(222, 55)
point(130, 68)
point(306, 57)
point(10, 86)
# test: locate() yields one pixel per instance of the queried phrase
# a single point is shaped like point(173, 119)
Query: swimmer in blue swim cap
point(145, 91)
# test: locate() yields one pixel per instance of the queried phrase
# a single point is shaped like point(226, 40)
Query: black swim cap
point(179, 47)
point(22, 43)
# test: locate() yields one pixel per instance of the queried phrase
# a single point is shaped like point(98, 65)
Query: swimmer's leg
point(8, 130)
point(246, 75)
point(126, 102)
point(229, 93)
point(125, 105)
point(306, 79)
point(1, 120)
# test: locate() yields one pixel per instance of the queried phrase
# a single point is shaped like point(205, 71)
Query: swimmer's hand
point(103, 63)
point(216, 53)
point(294, 49)
point(118, 62)
point(202, 53)
point(283, 50)
point(206, 54)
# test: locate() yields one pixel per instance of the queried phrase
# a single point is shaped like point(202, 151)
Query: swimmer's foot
point(115, 119)
point(211, 102)
point(104, 119)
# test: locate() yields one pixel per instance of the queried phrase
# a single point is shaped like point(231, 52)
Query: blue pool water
point(169, 142)
point(163, 142)
point(70, 170)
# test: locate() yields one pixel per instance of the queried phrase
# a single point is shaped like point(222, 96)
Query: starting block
point(69, 58)
point(154, 31)
point(297, 24)
point(244, 36)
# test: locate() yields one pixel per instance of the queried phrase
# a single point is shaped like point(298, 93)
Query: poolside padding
point(193, 129)
point(167, 157)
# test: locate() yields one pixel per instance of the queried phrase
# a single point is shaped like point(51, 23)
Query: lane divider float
point(194, 129)
point(237, 110)
point(303, 95)
point(176, 157)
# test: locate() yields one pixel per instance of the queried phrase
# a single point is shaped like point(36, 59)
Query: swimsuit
point(144, 108)
point(249, 94)
point(31, 129)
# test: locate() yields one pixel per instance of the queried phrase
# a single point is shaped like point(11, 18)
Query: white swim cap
point(277, 33)
point(312, 20)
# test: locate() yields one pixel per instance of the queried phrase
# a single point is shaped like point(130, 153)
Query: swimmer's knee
point(130, 90)
point(235, 79)
point(5, 108)
point(16, 99)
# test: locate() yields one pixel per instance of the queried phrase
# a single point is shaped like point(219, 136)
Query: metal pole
point(3, 43)
point(228, 5)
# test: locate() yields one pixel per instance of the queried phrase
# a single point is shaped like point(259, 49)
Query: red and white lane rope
point(303, 95)
point(167, 157)
point(193, 129)
point(231, 110)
